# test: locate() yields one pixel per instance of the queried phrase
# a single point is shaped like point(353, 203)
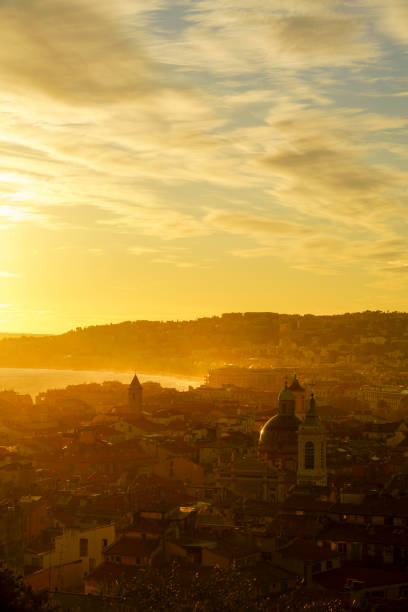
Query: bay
point(34, 381)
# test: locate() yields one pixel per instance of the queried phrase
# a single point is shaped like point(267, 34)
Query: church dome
point(280, 428)
point(278, 437)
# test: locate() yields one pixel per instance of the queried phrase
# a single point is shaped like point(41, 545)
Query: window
point(91, 564)
point(322, 455)
point(342, 547)
point(316, 568)
point(309, 456)
point(329, 565)
point(83, 547)
point(104, 543)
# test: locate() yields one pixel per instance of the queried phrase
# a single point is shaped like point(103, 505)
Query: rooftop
point(112, 572)
point(129, 546)
point(307, 551)
point(368, 577)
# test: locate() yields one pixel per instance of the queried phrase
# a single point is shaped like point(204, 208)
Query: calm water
point(32, 381)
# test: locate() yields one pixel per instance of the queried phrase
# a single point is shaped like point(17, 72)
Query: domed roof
point(281, 422)
point(279, 427)
point(280, 431)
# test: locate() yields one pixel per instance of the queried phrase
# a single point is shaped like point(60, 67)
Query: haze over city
point(203, 305)
point(175, 159)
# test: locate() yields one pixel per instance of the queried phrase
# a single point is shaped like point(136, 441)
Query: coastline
point(37, 380)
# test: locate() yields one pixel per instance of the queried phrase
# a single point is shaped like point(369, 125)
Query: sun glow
point(240, 148)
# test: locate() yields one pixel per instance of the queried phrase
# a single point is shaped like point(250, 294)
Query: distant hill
point(10, 335)
point(192, 347)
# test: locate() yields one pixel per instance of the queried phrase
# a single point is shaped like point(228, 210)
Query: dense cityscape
point(203, 306)
point(264, 488)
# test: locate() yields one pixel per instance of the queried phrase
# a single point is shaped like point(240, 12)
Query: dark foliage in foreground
point(219, 590)
point(15, 596)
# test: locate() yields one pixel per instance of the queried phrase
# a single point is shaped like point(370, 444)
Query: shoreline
point(38, 380)
point(130, 372)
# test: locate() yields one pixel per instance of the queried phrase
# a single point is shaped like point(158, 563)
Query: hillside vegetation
point(191, 347)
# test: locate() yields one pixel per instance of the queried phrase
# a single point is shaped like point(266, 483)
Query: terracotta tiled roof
point(382, 506)
point(385, 535)
point(295, 526)
point(383, 427)
point(336, 579)
point(307, 551)
point(132, 547)
point(111, 572)
point(233, 550)
point(306, 503)
point(145, 525)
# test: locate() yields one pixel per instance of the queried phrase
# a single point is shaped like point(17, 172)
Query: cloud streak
point(75, 52)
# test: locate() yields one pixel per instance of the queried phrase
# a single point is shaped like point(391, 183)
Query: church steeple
point(312, 467)
point(135, 395)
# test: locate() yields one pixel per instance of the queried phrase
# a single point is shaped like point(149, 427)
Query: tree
point(182, 589)
point(16, 596)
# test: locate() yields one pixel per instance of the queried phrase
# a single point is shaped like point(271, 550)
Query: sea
point(33, 381)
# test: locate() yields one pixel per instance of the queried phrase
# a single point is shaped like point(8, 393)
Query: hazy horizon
point(192, 318)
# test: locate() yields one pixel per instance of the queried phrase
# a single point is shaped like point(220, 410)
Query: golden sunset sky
point(172, 159)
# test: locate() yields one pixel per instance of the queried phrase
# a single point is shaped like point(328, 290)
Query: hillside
point(11, 335)
point(191, 347)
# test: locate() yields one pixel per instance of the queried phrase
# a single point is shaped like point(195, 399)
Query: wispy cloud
point(76, 52)
point(392, 18)
point(231, 37)
point(241, 129)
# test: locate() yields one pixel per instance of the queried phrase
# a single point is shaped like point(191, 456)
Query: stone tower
point(312, 469)
point(135, 395)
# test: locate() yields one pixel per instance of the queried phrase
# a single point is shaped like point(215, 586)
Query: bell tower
point(312, 439)
point(135, 395)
